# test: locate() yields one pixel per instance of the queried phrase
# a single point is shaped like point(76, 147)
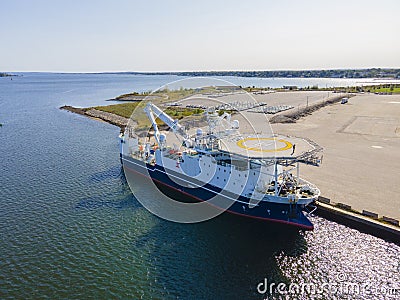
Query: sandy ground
point(361, 163)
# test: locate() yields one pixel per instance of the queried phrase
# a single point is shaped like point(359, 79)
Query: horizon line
point(209, 71)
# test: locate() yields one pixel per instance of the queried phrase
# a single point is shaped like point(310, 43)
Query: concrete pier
point(362, 223)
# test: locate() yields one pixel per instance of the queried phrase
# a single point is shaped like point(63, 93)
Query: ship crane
point(214, 120)
point(153, 112)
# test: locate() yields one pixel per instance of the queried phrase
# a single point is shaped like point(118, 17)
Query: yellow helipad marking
point(242, 144)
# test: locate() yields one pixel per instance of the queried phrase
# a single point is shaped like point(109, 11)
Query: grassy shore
point(126, 109)
point(386, 89)
point(162, 94)
point(382, 88)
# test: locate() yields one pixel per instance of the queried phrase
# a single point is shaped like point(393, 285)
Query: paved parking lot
point(361, 162)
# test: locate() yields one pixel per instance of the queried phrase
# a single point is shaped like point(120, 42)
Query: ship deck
point(267, 146)
point(262, 146)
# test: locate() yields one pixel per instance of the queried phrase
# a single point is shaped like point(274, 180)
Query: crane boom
point(150, 115)
point(154, 112)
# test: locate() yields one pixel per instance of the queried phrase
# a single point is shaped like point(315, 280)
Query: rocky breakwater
point(98, 114)
point(296, 113)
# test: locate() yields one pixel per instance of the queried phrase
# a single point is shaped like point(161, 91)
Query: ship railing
point(313, 187)
point(313, 209)
point(289, 183)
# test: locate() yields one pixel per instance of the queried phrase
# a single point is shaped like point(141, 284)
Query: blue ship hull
point(285, 214)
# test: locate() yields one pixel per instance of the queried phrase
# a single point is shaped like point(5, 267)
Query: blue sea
point(70, 227)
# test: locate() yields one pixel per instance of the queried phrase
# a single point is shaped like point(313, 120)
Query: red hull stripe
point(229, 211)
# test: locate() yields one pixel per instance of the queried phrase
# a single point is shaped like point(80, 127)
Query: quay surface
point(361, 162)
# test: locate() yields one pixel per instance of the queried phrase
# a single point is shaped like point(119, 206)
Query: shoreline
point(365, 73)
point(93, 113)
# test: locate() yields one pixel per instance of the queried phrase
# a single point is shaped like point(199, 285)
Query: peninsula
point(2, 74)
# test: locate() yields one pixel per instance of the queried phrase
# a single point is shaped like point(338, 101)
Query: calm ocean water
point(70, 227)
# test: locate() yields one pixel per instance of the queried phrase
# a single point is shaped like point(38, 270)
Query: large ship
point(257, 174)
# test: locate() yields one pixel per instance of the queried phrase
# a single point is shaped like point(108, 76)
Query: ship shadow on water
point(113, 172)
point(124, 200)
point(223, 258)
point(101, 201)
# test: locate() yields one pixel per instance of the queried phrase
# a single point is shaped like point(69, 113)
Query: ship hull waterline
point(240, 208)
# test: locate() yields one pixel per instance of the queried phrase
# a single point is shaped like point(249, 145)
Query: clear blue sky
point(93, 36)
